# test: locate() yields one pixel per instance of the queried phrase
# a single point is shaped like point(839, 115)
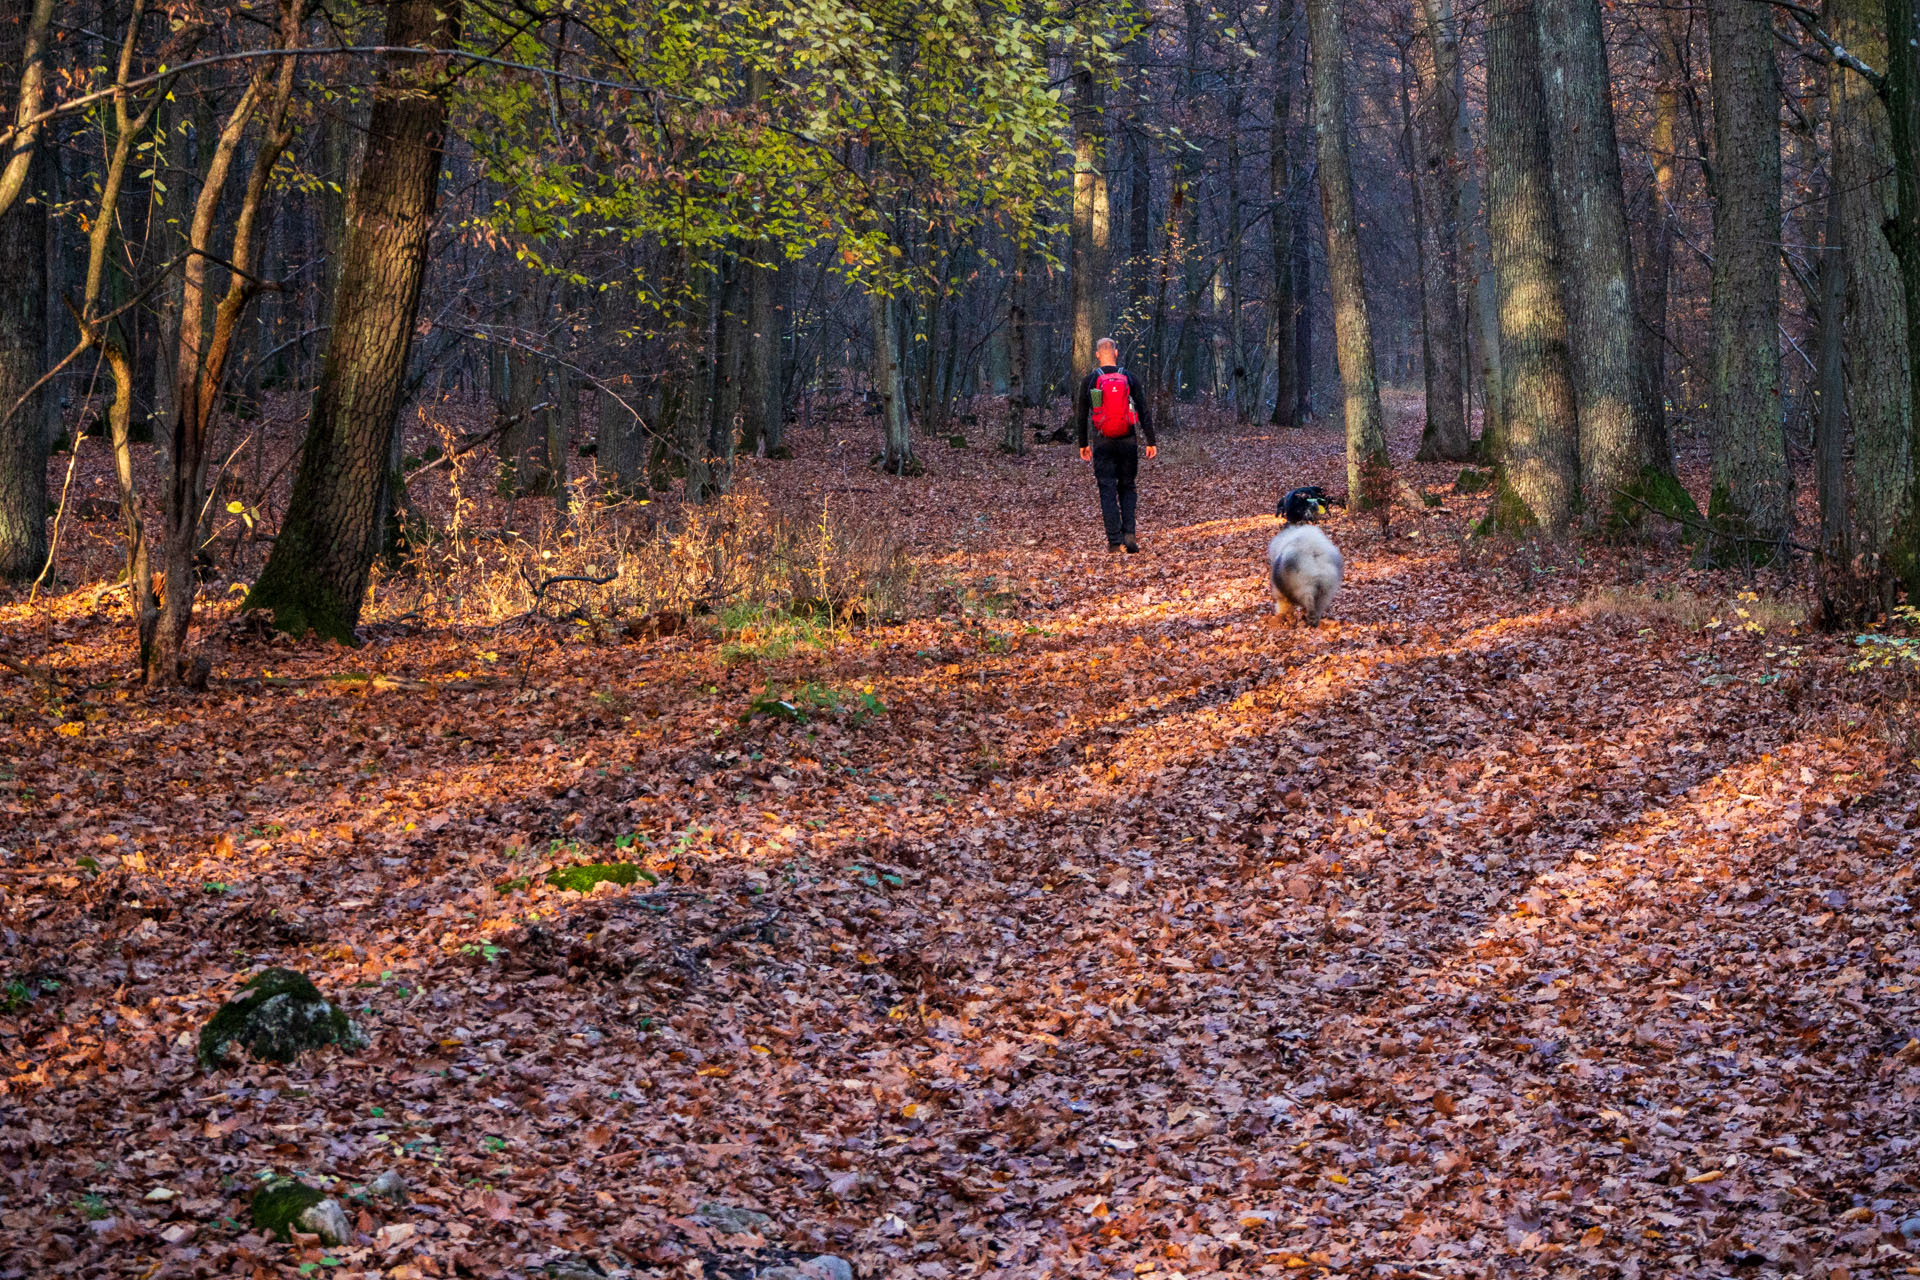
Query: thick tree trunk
point(1090, 229)
point(1539, 482)
point(23, 303)
point(23, 439)
point(1903, 102)
point(1620, 426)
point(1283, 302)
point(1752, 483)
point(316, 576)
point(620, 452)
point(723, 419)
point(896, 456)
point(1369, 470)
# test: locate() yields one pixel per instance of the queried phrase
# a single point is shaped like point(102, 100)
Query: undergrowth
point(613, 563)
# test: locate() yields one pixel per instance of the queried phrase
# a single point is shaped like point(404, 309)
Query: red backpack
point(1113, 405)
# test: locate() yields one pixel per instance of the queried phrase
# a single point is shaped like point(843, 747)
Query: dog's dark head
point(1303, 505)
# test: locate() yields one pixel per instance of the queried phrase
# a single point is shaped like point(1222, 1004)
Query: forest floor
point(1548, 912)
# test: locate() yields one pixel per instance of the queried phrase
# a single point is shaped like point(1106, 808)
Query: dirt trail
point(1475, 933)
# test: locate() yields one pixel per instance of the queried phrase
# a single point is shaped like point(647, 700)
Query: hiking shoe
point(1114, 548)
point(1132, 544)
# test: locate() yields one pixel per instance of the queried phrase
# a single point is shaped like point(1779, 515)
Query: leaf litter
point(1481, 932)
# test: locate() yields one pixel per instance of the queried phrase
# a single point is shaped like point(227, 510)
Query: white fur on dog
point(1306, 570)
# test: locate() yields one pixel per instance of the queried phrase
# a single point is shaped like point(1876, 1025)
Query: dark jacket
point(1083, 404)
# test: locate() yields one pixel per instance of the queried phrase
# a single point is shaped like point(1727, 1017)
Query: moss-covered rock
point(282, 1206)
point(278, 1015)
point(583, 877)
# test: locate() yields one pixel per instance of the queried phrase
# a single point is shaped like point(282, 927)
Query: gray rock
point(326, 1219)
point(824, 1267)
point(573, 1269)
point(733, 1219)
point(389, 1186)
point(1910, 1227)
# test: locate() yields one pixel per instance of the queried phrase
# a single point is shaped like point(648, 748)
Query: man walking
point(1116, 407)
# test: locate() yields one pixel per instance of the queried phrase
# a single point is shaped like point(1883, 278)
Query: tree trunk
point(1015, 439)
point(1879, 377)
point(1752, 484)
point(23, 299)
point(620, 453)
point(1302, 307)
point(1369, 470)
point(1620, 424)
point(1090, 227)
point(723, 421)
point(1539, 481)
point(23, 307)
point(1139, 244)
point(1436, 201)
point(1903, 102)
point(1236, 346)
point(1283, 303)
point(200, 368)
point(316, 576)
point(897, 451)
point(1830, 426)
point(1664, 155)
point(1462, 223)
point(24, 25)
point(763, 416)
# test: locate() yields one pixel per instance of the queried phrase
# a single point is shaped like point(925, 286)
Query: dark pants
point(1115, 464)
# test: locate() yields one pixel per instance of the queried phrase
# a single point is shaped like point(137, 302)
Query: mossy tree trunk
point(316, 576)
point(1539, 479)
point(1369, 471)
point(1752, 483)
point(1621, 423)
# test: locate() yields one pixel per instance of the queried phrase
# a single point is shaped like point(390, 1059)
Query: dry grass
point(623, 560)
point(1743, 611)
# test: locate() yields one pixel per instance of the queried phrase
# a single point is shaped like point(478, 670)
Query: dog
point(1304, 564)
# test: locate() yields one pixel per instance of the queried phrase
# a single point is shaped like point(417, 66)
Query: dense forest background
point(660, 237)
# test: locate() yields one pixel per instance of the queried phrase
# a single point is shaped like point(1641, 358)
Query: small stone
point(828, 1267)
point(327, 1220)
point(733, 1219)
point(161, 1194)
point(389, 1186)
point(179, 1232)
point(283, 1205)
point(1910, 1227)
point(574, 1269)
